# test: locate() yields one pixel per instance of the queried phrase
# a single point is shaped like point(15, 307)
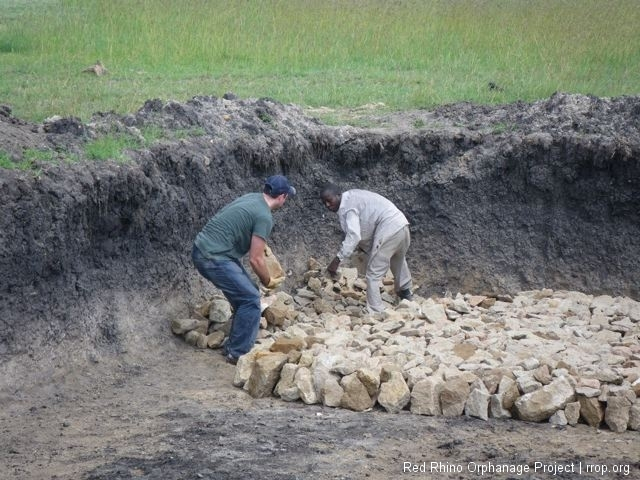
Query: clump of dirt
point(95, 260)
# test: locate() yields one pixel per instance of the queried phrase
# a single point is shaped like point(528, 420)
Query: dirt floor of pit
point(181, 418)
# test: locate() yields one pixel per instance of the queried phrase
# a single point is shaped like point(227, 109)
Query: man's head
point(278, 188)
point(331, 196)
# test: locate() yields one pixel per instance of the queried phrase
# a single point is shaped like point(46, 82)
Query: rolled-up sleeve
point(350, 223)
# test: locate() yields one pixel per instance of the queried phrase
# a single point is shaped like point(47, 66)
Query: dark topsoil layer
point(500, 199)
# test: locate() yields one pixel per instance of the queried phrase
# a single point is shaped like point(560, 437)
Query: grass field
point(334, 53)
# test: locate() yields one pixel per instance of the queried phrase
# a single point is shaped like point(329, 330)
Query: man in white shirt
point(375, 225)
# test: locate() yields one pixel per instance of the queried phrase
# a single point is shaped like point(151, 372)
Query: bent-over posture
point(241, 227)
point(375, 225)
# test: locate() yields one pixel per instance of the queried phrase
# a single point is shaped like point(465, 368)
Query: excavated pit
point(95, 256)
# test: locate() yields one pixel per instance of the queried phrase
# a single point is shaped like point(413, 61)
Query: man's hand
point(275, 282)
point(333, 267)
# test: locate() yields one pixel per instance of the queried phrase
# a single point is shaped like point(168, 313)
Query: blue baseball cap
point(277, 185)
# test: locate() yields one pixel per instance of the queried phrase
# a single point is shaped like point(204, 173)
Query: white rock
point(304, 383)
point(425, 397)
point(477, 404)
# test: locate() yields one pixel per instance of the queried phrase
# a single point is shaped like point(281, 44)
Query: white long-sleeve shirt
point(367, 217)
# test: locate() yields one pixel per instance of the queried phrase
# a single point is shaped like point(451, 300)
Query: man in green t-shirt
point(241, 227)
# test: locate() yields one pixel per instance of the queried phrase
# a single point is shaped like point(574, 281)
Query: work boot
point(405, 294)
point(230, 359)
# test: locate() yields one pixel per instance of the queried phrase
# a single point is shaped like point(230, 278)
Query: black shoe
point(405, 294)
point(230, 359)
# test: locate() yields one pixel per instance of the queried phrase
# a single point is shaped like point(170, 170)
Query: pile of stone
point(558, 356)
point(208, 325)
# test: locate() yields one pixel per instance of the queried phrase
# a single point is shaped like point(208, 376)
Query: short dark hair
point(330, 189)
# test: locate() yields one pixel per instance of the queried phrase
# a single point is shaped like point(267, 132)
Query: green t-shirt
point(227, 235)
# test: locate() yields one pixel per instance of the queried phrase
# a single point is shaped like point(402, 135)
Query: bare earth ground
point(181, 418)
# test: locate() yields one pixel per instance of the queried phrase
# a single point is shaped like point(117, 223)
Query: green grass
point(333, 53)
point(5, 161)
point(110, 147)
point(33, 155)
point(34, 159)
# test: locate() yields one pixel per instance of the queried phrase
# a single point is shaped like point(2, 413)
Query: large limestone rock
point(616, 415)
point(572, 413)
point(425, 397)
point(278, 313)
point(591, 410)
point(332, 392)
point(453, 397)
point(394, 393)
point(540, 405)
point(286, 387)
point(220, 310)
point(304, 382)
point(265, 374)
point(478, 402)
point(355, 395)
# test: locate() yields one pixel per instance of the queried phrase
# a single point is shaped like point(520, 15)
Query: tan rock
point(304, 382)
point(320, 305)
point(508, 392)
point(294, 356)
point(265, 374)
point(286, 388)
point(285, 344)
point(543, 375)
point(394, 393)
point(591, 410)
point(277, 313)
point(464, 350)
point(475, 300)
point(215, 339)
point(488, 302)
point(332, 392)
point(201, 310)
point(634, 416)
point(477, 404)
point(314, 284)
point(272, 263)
point(434, 313)
point(492, 378)
point(453, 397)
point(616, 415)
point(355, 395)
point(313, 264)
point(180, 326)
point(388, 370)
point(425, 397)
point(193, 338)
point(244, 367)
point(370, 379)
point(496, 410)
point(572, 413)
point(539, 405)
point(220, 310)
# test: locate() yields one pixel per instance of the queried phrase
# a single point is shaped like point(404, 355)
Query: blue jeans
point(232, 279)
